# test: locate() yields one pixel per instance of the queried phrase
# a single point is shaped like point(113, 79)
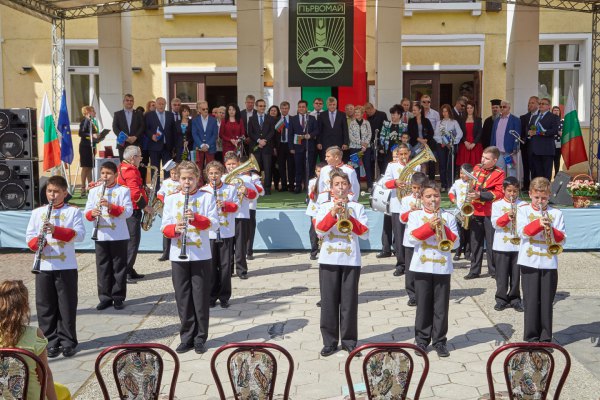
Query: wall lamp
point(136, 69)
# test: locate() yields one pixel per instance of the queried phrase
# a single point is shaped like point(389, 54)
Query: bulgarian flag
point(51, 143)
point(572, 146)
point(280, 125)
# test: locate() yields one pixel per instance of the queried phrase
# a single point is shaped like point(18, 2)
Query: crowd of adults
point(288, 146)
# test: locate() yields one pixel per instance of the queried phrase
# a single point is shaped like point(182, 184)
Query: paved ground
point(277, 304)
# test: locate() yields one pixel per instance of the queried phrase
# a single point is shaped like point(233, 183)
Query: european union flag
point(64, 127)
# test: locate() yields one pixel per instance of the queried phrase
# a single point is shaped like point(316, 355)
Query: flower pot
point(582, 201)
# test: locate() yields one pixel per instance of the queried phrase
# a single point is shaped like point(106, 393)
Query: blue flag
point(64, 127)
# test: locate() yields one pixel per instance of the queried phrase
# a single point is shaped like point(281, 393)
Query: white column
point(388, 52)
point(249, 49)
point(281, 90)
point(522, 54)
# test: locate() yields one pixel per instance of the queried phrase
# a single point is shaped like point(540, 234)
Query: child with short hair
point(256, 181)
point(432, 266)
point(538, 261)
point(56, 284)
point(109, 205)
point(313, 208)
point(168, 187)
point(458, 195)
point(405, 139)
point(506, 247)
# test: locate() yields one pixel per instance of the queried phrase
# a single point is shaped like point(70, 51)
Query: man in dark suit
point(527, 121)
point(261, 130)
point(175, 106)
point(129, 122)
point(249, 111)
point(459, 111)
point(285, 159)
point(376, 119)
point(304, 131)
point(333, 129)
point(541, 145)
point(160, 131)
point(488, 124)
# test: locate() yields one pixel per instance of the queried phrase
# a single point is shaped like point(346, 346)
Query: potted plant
point(583, 189)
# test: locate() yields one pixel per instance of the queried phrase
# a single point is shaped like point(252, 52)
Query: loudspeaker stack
point(18, 159)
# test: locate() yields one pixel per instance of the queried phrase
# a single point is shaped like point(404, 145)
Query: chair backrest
point(14, 373)
point(528, 370)
point(387, 370)
point(137, 370)
point(252, 370)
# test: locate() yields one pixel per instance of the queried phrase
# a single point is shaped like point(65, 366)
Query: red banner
point(357, 93)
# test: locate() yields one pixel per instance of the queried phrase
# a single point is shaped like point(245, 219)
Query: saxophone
point(153, 201)
point(407, 172)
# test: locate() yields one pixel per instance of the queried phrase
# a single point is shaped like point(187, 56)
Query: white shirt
point(433, 117)
point(259, 188)
point(109, 226)
point(459, 190)
point(168, 187)
point(533, 251)
point(312, 207)
point(392, 172)
point(225, 193)
point(198, 244)
point(502, 234)
point(408, 202)
point(325, 179)
point(427, 257)
point(244, 205)
point(448, 125)
point(337, 248)
point(57, 255)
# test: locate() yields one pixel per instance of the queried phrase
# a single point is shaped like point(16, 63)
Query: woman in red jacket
point(232, 129)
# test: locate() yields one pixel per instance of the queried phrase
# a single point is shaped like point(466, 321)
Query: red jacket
point(130, 177)
point(490, 186)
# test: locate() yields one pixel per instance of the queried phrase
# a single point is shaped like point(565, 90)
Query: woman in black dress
point(86, 156)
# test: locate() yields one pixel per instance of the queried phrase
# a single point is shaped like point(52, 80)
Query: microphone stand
point(376, 150)
point(518, 142)
point(92, 148)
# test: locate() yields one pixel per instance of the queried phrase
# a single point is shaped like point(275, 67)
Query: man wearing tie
point(284, 158)
point(333, 129)
point(261, 130)
point(303, 132)
point(160, 131)
point(541, 141)
point(129, 122)
point(175, 105)
point(205, 131)
point(527, 121)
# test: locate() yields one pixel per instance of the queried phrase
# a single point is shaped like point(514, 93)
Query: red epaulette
point(92, 185)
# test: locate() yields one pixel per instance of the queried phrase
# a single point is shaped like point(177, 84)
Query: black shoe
point(53, 352)
point(119, 305)
point(328, 350)
point(467, 255)
point(224, 304)
point(103, 305)
point(456, 257)
point(313, 257)
point(297, 191)
point(493, 276)
point(441, 350)
point(163, 258)
point(398, 272)
point(213, 304)
point(249, 257)
point(383, 254)
point(412, 302)
point(267, 192)
point(244, 275)
point(471, 276)
point(500, 306)
point(135, 275)
point(184, 348)
point(68, 352)
point(350, 349)
point(200, 348)
point(423, 347)
point(319, 303)
point(518, 306)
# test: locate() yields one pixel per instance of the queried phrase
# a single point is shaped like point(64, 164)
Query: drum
point(380, 198)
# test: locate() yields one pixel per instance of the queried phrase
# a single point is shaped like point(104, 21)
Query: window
point(82, 80)
point(559, 71)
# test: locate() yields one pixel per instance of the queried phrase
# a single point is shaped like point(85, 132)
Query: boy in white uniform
point(109, 205)
point(255, 176)
point(191, 270)
point(168, 187)
point(56, 284)
point(339, 266)
point(457, 195)
point(333, 157)
point(538, 262)
point(432, 266)
point(506, 247)
point(312, 208)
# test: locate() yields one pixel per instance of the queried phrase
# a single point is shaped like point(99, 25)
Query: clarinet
point(41, 242)
point(183, 255)
point(97, 221)
point(219, 240)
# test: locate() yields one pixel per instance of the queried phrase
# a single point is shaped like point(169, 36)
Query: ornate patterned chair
point(252, 370)
point(528, 370)
point(137, 371)
point(387, 370)
point(14, 374)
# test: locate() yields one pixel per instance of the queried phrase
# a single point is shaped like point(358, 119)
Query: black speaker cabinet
point(18, 133)
point(18, 189)
point(558, 190)
point(493, 6)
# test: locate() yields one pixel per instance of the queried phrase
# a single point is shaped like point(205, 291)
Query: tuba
point(153, 201)
point(409, 169)
point(344, 225)
point(554, 248)
point(233, 178)
point(444, 244)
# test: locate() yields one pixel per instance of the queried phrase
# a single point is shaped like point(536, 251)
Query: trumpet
point(553, 247)
point(514, 239)
point(37, 263)
point(97, 221)
point(183, 255)
point(344, 225)
point(444, 244)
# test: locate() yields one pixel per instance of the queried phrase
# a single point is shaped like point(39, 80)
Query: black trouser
point(191, 281)
point(409, 276)
point(481, 231)
point(539, 289)
point(526, 166)
point(135, 234)
point(541, 166)
point(442, 154)
point(241, 241)
point(111, 269)
point(386, 234)
point(300, 161)
point(339, 304)
point(398, 230)
point(382, 162)
point(314, 239)
point(433, 302)
point(155, 159)
point(465, 238)
point(56, 306)
point(264, 159)
point(145, 161)
point(221, 269)
point(166, 247)
point(508, 277)
point(287, 168)
point(251, 232)
point(557, 155)
point(368, 164)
